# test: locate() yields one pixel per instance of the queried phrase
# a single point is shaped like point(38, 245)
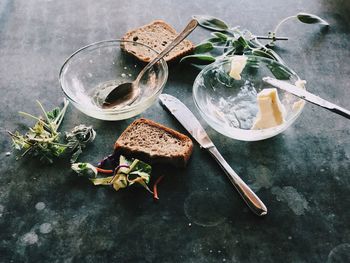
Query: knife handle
point(252, 200)
point(341, 111)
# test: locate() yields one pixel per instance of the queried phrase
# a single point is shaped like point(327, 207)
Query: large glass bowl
point(230, 106)
point(90, 72)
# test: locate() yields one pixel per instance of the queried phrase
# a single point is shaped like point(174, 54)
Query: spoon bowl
point(121, 95)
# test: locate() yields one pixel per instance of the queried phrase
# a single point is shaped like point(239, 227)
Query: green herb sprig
point(43, 140)
point(228, 40)
point(301, 17)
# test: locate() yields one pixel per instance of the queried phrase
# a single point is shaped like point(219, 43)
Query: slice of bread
point(156, 35)
point(152, 142)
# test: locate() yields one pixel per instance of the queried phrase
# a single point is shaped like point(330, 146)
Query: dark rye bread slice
point(156, 35)
point(154, 143)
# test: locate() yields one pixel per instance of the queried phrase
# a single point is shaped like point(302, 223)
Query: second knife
point(192, 125)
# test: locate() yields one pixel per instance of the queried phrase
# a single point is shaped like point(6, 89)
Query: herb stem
point(59, 144)
point(17, 137)
point(52, 127)
point(155, 186)
point(35, 118)
point(43, 140)
point(281, 22)
point(43, 110)
point(62, 113)
point(104, 171)
point(271, 38)
point(27, 151)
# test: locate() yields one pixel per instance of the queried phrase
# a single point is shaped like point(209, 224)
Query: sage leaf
point(242, 42)
point(261, 53)
point(220, 35)
point(203, 48)
point(279, 72)
point(198, 59)
point(216, 40)
point(211, 22)
point(53, 114)
point(311, 19)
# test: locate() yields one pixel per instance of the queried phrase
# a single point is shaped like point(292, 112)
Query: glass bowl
point(92, 71)
point(230, 106)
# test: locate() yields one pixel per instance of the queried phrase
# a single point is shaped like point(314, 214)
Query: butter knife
point(305, 95)
point(192, 125)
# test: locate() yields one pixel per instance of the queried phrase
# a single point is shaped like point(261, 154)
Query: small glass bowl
point(230, 106)
point(90, 72)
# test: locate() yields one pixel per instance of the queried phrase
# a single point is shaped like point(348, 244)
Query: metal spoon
point(126, 93)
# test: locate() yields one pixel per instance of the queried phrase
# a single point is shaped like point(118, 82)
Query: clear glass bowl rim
point(112, 111)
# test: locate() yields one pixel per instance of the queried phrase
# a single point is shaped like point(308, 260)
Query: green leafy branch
point(43, 139)
point(227, 41)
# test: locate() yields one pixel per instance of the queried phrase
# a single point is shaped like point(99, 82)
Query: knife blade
point(193, 126)
point(305, 95)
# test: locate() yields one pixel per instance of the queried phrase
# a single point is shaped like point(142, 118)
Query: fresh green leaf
point(43, 139)
point(311, 19)
point(211, 22)
point(220, 35)
point(242, 42)
point(216, 40)
point(280, 72)
point(138, 166)
point(198, 59)
point(53, 114)
point(261, 53)
point(203, 48)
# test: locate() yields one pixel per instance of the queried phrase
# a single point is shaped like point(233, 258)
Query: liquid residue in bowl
point(239, 110)
point(100, 92)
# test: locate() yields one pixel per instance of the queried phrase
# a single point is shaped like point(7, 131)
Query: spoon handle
point(188, 29)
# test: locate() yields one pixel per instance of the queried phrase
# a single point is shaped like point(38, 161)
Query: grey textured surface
point(47, 214)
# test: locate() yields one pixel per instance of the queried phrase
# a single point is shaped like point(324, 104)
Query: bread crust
point(179, 160)
point(187, 46)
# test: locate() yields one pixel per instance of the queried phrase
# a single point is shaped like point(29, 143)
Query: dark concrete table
point(48, 214)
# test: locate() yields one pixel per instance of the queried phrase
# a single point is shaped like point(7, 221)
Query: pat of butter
point(237, 65)
point(271, 111)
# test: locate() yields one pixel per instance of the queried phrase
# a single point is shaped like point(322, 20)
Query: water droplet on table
point(45, 228)
point(40, 206)
point(339, 254)
point(207, 210)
